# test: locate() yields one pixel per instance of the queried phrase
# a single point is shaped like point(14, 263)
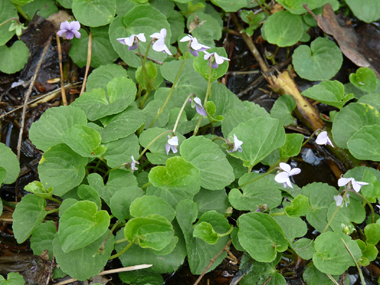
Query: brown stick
point(212, 262)
point(89, 52)
point(250, 44)
point(63, 92)
point(26, 99)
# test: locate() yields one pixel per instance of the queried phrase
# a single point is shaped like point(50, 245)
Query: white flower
point(323, 138)
point(339, 200)
point(133, 164)
point(131, 41)
point(355, 184)
point(159, 44)
point(197, 103)
point(283, 177)
point(171, 145)
point(218, 59)
point(237, 145)
point(195, 46)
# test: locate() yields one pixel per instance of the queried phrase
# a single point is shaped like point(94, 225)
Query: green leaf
point(320, 197)
point(13, 278)
point(304, 247)
point(151, 110)
point(187, 212)
point(229, 6)
point(121, 201)
point(86, 192)
point(153, 231)
point(140, 19)
point(368, 13)
point(121, 92)
point(29, 213)
point(43, 8)
point(94, 13)
point(351, 119)
point(81, 225)
point(161, 263)
point(283, 29)
point(260, 137)
point(331, 256)
point(292, 146)
point(259, 271)
point(330, 93)
point(177, 180)
point(66, 3)
point(209, 30)
point(319, 62)
point(204, 228)
point(260, 192)
point(216, 172)
point(141, 277)
point(295, 6)
point(364, 78)
point(372, 99)
point(148, 205)
point(10, 164)
point(203, 68)
point(283, 108)
point(84, 141)
point(50, 128)
point(42, 238)
point(121, 150)
point(371, 191)
point(85, 262)
point(177, 25)
point(315, 277)
point(372, 233)
point(7, 11)
point(208, 200)
point(153, 74)
point(157, 153)
point(261, 236)
point(62, 169)
point(299, 206)
point(102, 51)
point(353, 213)
point(365, 143)
point(121, 125)
point(14, 58)
point(101, 76)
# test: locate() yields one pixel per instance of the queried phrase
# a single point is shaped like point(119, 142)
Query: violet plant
point(157, 212)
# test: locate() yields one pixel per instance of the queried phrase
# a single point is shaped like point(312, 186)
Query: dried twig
point(89, 52)
point(150, 58)
point(27, 95)
point(212, 262)
point(123, 269)
point(63, 92)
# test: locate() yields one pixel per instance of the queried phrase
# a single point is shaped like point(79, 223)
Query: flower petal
point(338, 200)
point(207, 55)
point(358, 184)
point(65, 26)
point(343, 181)
point(163, 33)
point(186, 38)
point(322, 138)
point(77, 34)
point(141, 37)
point(281, 177)
point(69, 35)
point(167, 148)
point(294, 171)
point(286, 167)
point(74, 26)
point(173, 141)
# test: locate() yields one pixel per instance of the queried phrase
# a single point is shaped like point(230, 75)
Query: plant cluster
point(138, 173)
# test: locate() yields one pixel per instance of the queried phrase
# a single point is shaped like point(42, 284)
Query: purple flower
point(195, 46)
point(133, 164)
point(70, 29)
point(283, 177)
point(132, 40)
point(171, 145)
point(237, 145)
point(217, 59)
point(159, 44)
point(355, 184)
point(323, 138)
point(197, 103)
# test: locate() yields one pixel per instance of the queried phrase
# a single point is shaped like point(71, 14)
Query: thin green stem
point(257, 178)
point(171, 90)
point(181, 111)
point(146, 185)
point(121, 240)
point(208, 93)
point(11, 19)
point(52, 211)
point(368, 203)
point(310, 137)
point(22, 13)
point(146, 95)
point(113, 169)
point(227, 233)
point(9, 204)
point(122, 251)
point(97, 165)
point(332, 279)
point(152, 142)
point(357, 265)
point(278, 214)
point(331, 219)
point(55, 200)
point(148, 82)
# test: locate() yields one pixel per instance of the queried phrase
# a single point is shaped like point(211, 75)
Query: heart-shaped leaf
point(94, 13)
point(10, 164)
point(7, 11)
point(365, 143)
point(81, 225)
point(13, 58)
